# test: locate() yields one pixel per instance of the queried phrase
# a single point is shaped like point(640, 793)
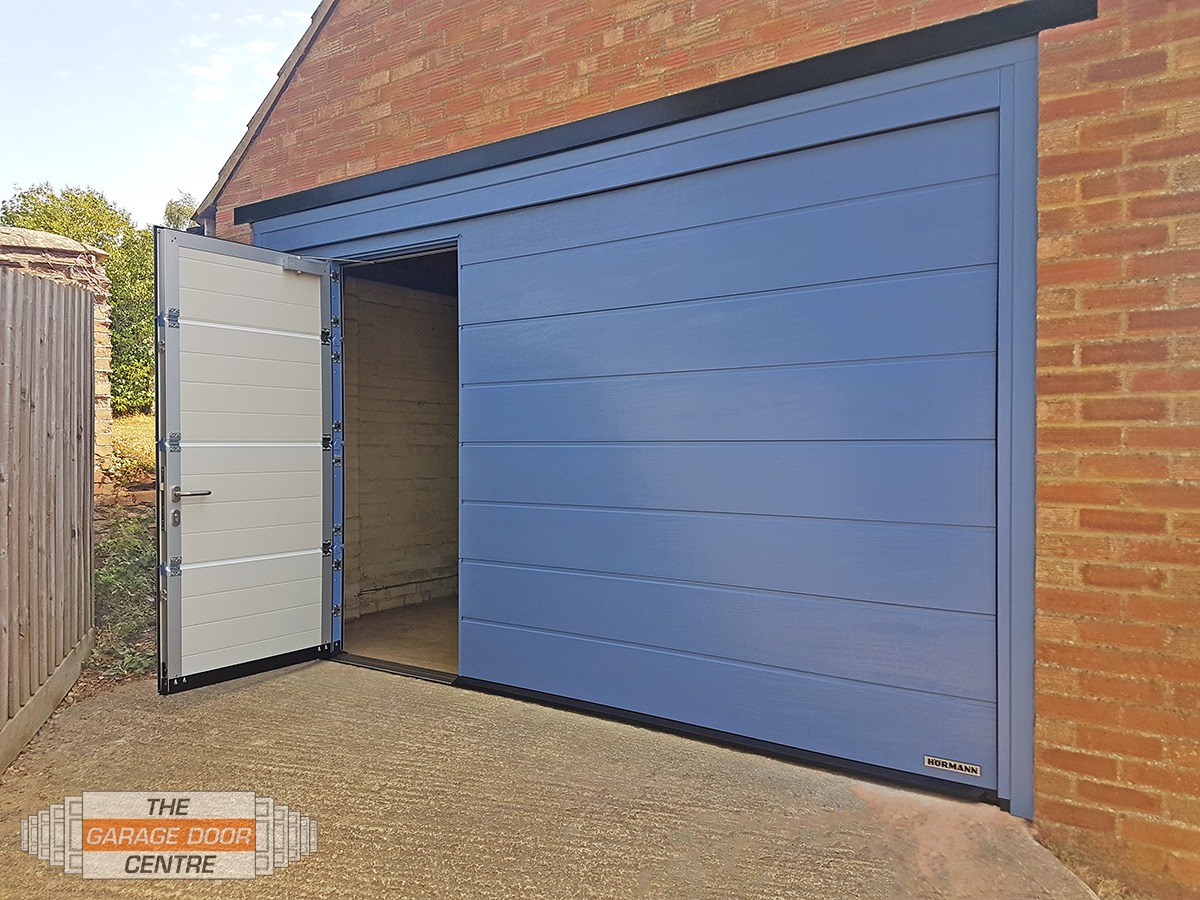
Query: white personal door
point(245, 458)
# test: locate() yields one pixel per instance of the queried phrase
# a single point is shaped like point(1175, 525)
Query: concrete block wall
point(1118, 623)
point(401, 468)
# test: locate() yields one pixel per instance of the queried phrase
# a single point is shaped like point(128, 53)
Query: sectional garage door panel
point(935, 566)
point(904, 646)
point(787, 327)
point(946, 482)
point(954, 150)
point(939, 227)
point(911, 399)
point(729, 448)
point(847, 719)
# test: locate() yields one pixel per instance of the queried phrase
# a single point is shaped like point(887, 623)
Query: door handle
point(177, 494)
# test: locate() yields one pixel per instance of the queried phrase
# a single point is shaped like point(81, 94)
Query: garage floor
point(423, 790)
point(422, 634)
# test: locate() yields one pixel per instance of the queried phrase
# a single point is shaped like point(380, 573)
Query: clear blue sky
point(137, 98)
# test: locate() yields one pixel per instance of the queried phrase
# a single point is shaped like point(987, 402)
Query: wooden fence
point(46, 392)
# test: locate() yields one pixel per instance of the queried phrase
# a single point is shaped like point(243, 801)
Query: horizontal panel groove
point(883, 442)
point(251, 559)
point(775, 592)
point(256, 388)
point(315, 363)
point(257, 445)
point(303, 303)
point(224, 527)
point(932, 229)
point(762, 217)
point(807, 287)
point(830, 364)
point(712, 513)
point(740, 295)
point(241, 265)
point(226, 326)
point(912, 564)
point(926, 399)
point(307, 579)
point(216, 501)
point(192, 598)
point(741, 663)
point(224, 413)
point(936, 153)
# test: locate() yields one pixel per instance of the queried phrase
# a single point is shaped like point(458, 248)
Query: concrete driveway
point(421, 790)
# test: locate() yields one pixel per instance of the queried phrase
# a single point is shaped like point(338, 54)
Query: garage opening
point(400, 351)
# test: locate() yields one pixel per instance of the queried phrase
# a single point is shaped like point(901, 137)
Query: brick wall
point(1119, 310)
point(1119, 434)
point(401, 436)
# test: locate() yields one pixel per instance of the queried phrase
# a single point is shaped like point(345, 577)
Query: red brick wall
point(1119, 311)
point(1119, 437)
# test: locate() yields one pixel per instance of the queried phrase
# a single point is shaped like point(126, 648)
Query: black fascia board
point(998, 26)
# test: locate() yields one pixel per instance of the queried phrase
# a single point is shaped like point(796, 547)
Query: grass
point(125, 587)
point(133, 450)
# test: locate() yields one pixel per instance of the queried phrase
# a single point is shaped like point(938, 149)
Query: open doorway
point(400, 351)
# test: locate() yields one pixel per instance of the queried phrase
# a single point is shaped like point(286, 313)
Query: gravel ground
point(421, 790)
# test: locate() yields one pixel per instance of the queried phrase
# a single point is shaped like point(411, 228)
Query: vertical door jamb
point(335, 472)
point(1015, 423)
point(166, 299)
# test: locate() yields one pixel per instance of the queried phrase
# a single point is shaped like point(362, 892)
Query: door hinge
point(327, 442)
point(326, 337)
point(173, 441)
point(175, 566)
point(172, 318)
point(326, 548)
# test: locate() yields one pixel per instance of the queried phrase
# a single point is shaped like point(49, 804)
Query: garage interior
point(400, 346)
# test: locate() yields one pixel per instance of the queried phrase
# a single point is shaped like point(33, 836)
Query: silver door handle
point(177, 494)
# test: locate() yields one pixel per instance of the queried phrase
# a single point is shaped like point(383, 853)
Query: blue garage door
point(729, 448)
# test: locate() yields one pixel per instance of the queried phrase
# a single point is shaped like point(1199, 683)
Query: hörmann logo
point(950, 765)
point(197, 834)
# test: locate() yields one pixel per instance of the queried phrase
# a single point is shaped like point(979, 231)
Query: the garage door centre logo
point(195, 834)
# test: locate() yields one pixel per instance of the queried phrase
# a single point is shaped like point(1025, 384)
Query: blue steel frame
point(1015, 433)
point(415, 218)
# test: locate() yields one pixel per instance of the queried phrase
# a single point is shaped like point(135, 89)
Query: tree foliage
point(178, 212)
point(86, 215)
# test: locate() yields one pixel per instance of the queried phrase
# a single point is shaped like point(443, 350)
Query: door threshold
point(383, 665)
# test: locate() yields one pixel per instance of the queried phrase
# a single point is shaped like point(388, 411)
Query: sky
point(139, 99)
